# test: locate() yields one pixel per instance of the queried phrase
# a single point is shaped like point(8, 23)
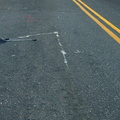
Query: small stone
point(77, 51)
point(13, 55)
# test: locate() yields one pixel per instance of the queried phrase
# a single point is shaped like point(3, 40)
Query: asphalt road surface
point(72, 71)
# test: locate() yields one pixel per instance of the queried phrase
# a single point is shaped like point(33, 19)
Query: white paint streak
point(64, 53)
point(59, 42)
point(55, 32)
point(19, 40)
point(62, 50)
point(50, 33)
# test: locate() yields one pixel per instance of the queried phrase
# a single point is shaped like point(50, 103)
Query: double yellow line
point(84, 8)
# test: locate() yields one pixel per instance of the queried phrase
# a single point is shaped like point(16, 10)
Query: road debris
point(4, 40)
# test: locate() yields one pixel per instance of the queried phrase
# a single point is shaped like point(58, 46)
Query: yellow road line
point(102, 18)
point(115, 37)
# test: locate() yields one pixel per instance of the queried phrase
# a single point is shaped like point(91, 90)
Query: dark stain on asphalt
point(2, 41)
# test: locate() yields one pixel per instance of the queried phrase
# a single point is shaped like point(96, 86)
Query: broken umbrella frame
point(4, 40)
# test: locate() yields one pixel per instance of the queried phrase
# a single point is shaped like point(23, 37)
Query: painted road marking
point(59, 42)
point(102, 18)
point(115, 37)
